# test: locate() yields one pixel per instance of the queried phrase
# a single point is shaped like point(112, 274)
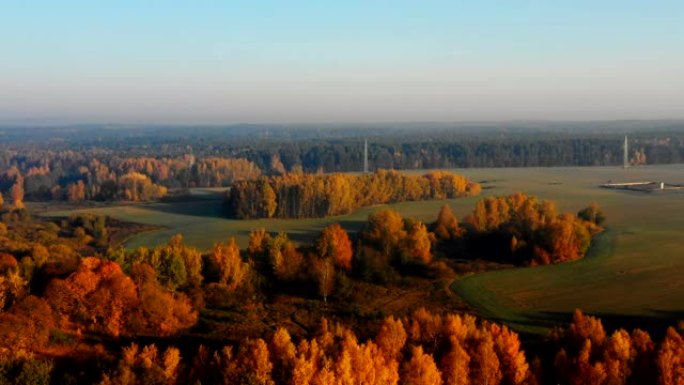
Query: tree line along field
point(632, 272)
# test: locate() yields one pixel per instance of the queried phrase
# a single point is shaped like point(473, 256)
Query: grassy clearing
point(633, 275)
point(202, 223)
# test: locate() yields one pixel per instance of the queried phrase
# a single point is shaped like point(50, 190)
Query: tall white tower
point(365, 156)
point(625, 156)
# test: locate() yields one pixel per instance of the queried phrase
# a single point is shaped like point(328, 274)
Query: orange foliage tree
point(446, 226)
point(334, 243)
point(258, 244)
point(531, 231)
point(285, 260)
point(98, 296)
point(160, 312)
point(299, 195)
point(17, 192)
point(225, 258)
point(420, 369)
point(671, 359)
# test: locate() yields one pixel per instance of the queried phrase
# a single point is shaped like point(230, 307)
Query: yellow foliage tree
point(231, 270)
point(420, 369)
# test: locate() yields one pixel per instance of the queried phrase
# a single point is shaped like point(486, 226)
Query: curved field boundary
point(518, 310)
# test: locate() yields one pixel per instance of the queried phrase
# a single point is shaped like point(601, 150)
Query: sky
point(144, 61)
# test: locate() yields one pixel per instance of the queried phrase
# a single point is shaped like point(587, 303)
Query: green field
point(633, 275)
point(634, 271)
point(202, 222)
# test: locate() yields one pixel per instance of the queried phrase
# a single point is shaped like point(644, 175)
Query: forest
point(143, 163)
point(69, 296)
point(76, 177)
point(370, 307)
point(299, 195)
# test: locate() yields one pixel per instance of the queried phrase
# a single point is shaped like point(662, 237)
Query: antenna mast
point(625, 157)
point(365, 156)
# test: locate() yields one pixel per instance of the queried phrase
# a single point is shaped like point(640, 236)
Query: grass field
point(202, 222)
point(633, 275)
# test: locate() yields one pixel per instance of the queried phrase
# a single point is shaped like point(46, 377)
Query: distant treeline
point(102, 176)
point(89, 163)
point(439, 153)
point(300, 195)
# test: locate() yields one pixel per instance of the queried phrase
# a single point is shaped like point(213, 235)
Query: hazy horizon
point(358, 62)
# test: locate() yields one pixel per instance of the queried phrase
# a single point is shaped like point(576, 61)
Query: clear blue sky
point(331, 61)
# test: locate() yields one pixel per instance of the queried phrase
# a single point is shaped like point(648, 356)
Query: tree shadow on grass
point(305, 235)
point(655, 322)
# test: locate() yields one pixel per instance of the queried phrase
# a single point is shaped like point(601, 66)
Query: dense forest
point(299, 195)
point(75, 176)
point(88, 163)
point(69, 296)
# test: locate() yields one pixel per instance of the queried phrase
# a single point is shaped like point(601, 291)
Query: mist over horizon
point(224, 63)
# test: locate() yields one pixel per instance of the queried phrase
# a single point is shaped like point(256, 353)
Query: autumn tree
point(138, 187)
point(98, 289)
point(269, 203)
point(644, 362)
point(416, 246)
point(12, 285)
point(592, 213)
point(391, 338)
point(177, 266)
point(385, 230)
point(514, 366)
point(455, 364)
point(26, 326)
point(284, 259)
point(17, 192)
point(420, 369)
point(225, 258)
point(334, 243)
point(145, 366)
point(424, 328)
point(159, 312)
point(283, 353)
point(324, 274)
point(446, 226)
point(585, 327)
point(618, 356)
point(76, 191)
point(487, 366)
point(258, 244)
point(252, 364)
point(670, 359)
point(588, 356)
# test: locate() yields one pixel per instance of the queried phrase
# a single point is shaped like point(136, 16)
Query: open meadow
point(633, 272)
